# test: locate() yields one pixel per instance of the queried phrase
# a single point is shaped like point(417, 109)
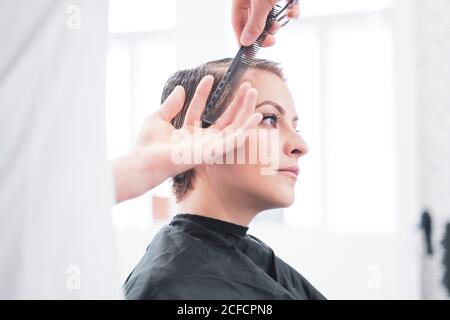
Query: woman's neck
point(218, 204)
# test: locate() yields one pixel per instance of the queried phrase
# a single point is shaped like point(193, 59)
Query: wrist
point(130, 179)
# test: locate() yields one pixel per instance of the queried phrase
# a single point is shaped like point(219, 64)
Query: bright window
point(141, 15)
point(141, 56)
point(340, 71)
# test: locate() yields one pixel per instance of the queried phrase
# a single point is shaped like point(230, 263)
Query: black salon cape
point(196, 257)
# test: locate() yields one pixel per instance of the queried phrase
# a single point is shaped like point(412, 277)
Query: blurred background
point(370, 80)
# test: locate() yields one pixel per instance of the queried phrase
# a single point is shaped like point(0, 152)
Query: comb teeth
point(274, 15)
point(242, 60)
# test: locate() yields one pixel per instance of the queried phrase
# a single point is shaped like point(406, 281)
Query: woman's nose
point(296, 146)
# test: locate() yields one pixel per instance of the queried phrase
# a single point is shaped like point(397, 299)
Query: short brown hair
point(189, 79)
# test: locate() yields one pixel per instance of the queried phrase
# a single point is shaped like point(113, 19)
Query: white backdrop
point(56, 237)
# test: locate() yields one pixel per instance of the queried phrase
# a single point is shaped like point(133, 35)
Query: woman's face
point(262, 184)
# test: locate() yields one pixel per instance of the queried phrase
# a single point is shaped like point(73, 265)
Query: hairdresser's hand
point(249, 18)
point(152, 159)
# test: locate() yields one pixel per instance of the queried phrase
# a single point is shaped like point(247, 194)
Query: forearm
point(129, 182)
point(142, 170)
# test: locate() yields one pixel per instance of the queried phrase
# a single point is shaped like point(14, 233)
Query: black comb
point(241, 62)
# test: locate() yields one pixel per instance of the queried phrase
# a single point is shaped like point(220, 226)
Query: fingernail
point(258, 116)
point(276, 27)
point(253, 91)
point(246, 85)
point(246, 39)
point(178, 90)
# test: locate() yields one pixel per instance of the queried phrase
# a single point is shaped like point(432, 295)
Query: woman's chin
point(287, 203)
point(283, 200)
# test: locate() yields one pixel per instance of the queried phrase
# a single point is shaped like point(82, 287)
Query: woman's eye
point(270, 120)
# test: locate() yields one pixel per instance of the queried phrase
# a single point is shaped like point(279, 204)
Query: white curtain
point(56, 237)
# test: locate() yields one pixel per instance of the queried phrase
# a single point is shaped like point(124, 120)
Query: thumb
point(259, 11)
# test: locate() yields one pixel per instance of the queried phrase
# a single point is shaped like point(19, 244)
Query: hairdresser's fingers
point(234, 107)
point(237, 138)
point(269, 41)
point(247, 109)
point(294, 13)
point(239, 16)
point(274, 27)
point(172, 105)
point(253, 121)
point(259, 10)
point(198, 102)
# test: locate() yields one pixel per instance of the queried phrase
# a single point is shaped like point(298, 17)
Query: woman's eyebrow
point(276, 105)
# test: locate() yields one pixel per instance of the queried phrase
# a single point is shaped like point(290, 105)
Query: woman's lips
point(290, 171)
